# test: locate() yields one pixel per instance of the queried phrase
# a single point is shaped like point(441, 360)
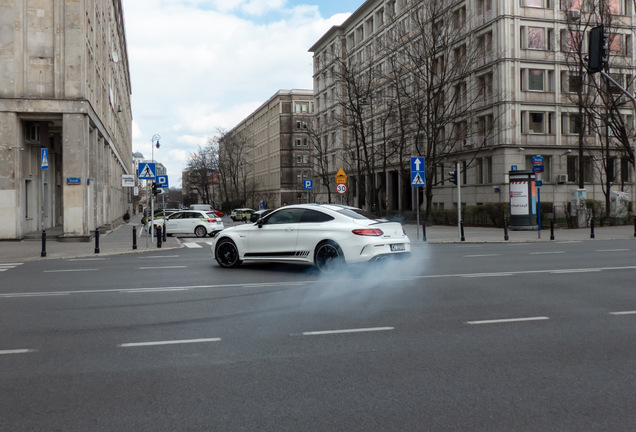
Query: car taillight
point(374, 232)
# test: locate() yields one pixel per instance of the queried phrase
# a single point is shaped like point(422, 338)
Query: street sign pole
point(44, 165)
point(459, 201)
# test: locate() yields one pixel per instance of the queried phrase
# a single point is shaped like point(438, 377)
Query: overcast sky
point(200, 65)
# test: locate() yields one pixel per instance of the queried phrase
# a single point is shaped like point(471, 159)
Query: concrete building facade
point(276, 156)
point(64, 87)
point(521, 86)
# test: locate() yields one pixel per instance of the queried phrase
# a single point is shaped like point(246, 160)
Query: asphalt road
point(479, 337)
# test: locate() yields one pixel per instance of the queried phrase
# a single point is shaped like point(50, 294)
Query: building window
point(572, 168)
point(301, 107)
point(536, 122)
point(536, 38)
point(536, 79)
point(625, 169)
point(298, 141)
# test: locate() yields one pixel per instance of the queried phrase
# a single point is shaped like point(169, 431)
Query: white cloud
point(197, 66)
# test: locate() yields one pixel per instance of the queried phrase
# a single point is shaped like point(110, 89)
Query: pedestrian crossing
point(8, 266)
point(197, 245)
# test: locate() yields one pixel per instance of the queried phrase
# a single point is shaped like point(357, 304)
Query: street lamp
point(151, 202)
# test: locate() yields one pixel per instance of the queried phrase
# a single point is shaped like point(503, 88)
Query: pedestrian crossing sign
point(417, 179)
point(146, 171)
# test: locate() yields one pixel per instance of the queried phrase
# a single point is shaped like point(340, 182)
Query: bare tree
point(450, 95)
point(201, 167)
point(234, 167)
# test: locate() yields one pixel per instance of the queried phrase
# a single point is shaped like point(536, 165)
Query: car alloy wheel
point(200, 231)
point(328, 256)
point(227, 254)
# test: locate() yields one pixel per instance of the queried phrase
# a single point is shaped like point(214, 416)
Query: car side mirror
point(259, 222)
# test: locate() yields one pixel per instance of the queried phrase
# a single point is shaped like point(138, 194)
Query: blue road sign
point(513, 168)
point(308, 184)
point(45, 158)
point(162, 181)
point(537, 159)
point(146, 171)
point(417, 171)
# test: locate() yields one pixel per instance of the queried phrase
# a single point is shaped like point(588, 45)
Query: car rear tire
point(328, 256)
point(200, 231)
point(227, 254)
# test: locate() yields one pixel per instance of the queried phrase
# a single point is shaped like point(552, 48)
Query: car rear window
point(356, 213)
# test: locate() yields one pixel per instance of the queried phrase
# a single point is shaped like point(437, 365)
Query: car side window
point(176, 216)
point(285, 216)
point(313, 216)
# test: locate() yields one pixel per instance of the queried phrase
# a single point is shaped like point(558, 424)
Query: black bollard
point(134, 237)
point(551, 230)
point(461, 226)
point(424, 232)
point(165, 231)
point(634, 226)
point(159, 237)
point(43, 253)
point(592, 227)
point(506, 229)
point(97, 240)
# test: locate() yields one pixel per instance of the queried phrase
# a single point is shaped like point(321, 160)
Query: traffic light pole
point(459, 200)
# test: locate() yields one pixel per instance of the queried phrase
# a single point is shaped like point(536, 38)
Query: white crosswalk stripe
point(8, 266)
point(192, 245)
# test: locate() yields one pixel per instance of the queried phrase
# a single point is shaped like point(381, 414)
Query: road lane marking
point(507, 320)
point(192, 245)
point(10, 264)
point(303, 283)
point(69, 270)
point(16, 351)
point(476, 275)
point(624, 313)
point(145, 290)
point(575, 271)
point(88, 259)
point(547, 253)
point(481, 255)
point(167, 342)
point(612, 250)
point(162, 267)
point(359, 330)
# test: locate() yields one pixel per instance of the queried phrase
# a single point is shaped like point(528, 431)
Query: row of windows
point(541, 122)
point(542, 38)
point(614, 7)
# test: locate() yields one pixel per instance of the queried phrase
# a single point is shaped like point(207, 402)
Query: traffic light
point(154, 188)
point(597, 50)
point(452, 177)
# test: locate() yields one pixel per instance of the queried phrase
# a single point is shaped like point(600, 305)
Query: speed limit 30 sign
point(341, 188)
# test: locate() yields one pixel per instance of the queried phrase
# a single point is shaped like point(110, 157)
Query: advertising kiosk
point(523, 200)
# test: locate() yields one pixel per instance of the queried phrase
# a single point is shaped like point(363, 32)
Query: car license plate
point(397, 247)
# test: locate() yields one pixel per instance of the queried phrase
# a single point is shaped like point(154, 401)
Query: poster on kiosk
point(523, 200)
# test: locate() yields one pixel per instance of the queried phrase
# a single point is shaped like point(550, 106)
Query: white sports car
point(325, 235)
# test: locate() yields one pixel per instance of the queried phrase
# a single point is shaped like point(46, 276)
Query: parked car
point(325, 235)
point(159, 214)
point(259, 214)
point(219, 213)
point(195, 222)
point(241, 214)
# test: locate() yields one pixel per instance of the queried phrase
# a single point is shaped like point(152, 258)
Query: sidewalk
point(120, 240)
point(451, 234)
